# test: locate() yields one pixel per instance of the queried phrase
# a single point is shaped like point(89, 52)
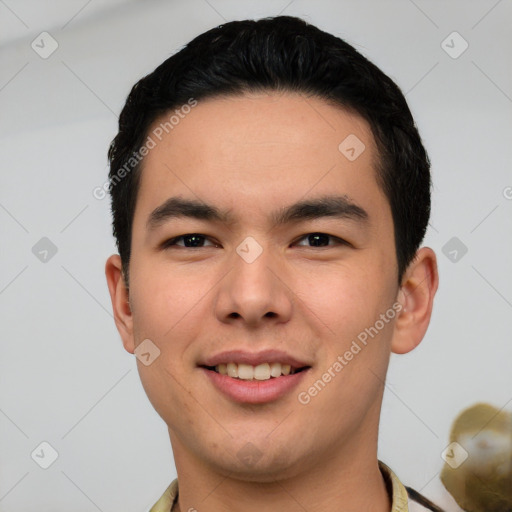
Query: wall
point(64, 375)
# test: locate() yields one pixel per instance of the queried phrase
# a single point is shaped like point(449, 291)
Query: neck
point(348, 480)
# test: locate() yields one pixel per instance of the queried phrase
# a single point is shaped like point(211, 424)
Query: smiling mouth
point(261, 372)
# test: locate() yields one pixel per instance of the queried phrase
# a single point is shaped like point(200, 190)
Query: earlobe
point(120, 301)
point(416, 296)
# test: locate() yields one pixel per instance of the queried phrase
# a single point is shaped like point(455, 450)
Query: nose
point(254, 291)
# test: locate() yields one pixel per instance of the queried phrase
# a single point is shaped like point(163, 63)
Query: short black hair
point(282, 54)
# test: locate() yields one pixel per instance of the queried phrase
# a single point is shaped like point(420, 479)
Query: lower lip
point(255, 391)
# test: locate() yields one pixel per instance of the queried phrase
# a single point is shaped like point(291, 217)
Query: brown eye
point(320, 240)
point(188, 241)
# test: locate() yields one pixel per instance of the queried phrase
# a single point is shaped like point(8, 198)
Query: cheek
point(342, 297)
point(347, 304)
point(163, 297)
point(166, 310)
point(166, 389)
point(160, 315)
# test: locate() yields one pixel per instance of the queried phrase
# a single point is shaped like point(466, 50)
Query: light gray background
point(64, 375)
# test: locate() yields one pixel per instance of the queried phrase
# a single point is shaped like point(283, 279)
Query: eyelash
point(172, 241)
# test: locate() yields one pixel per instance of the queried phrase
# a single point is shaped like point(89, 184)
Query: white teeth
point(245, 371)
point(232, 369)
point(263, 371)
point(275, 369)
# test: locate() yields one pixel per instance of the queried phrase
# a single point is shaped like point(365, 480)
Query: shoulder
point(405, 499)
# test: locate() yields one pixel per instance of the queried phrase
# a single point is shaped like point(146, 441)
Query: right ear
point(120, 301)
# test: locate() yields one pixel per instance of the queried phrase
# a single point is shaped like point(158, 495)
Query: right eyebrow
point(179, 207)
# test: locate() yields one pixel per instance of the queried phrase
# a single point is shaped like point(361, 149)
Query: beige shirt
point(398, 493)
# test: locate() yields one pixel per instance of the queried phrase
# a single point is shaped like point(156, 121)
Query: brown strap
point(419, 498)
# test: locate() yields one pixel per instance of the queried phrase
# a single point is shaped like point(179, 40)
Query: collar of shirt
point(398, 493)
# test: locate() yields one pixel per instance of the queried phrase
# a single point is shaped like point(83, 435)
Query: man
point(270, 193)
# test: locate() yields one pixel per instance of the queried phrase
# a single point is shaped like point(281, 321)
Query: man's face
point(306, 298)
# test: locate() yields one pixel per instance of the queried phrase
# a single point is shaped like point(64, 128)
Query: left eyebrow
point(324, 206)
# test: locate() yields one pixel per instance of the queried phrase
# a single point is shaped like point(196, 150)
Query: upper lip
point(253, 358)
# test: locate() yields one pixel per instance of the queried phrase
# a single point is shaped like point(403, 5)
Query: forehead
point(259, 149)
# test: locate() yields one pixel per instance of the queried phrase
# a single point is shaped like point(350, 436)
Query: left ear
point(419, 286)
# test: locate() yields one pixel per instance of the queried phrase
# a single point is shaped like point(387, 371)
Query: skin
point(252, 154)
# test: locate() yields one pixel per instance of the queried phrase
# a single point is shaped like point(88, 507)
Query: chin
point(250, 464)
